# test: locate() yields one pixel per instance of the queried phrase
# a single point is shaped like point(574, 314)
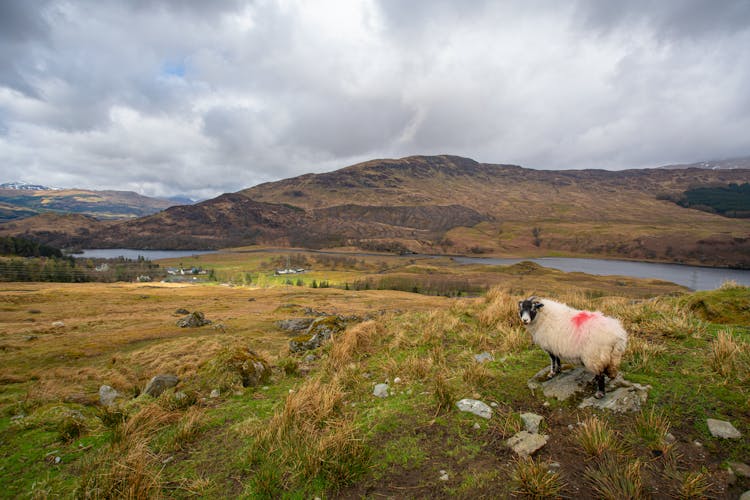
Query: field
point(304, 426)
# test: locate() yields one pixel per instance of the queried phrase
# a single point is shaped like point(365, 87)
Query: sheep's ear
point(538, 305)
point(520, 303)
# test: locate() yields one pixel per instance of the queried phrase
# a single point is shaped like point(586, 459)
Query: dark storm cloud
point(198, 97)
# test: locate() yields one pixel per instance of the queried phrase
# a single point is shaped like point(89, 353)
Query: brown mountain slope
point(448, 204)
point(531, 212)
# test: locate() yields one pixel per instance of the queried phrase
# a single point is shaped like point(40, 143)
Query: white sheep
point(591, 338)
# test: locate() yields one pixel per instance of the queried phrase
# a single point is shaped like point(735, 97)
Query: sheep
point(591, 338)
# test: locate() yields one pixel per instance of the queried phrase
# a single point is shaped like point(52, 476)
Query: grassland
point(311, 427)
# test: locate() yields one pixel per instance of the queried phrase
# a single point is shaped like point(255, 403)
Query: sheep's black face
point(527, 309)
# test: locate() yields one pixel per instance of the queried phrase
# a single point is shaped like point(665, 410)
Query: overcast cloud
point(204, 97)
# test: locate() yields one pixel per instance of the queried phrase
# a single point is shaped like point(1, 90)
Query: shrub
point(533, 479)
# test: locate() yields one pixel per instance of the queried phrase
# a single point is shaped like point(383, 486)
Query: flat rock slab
point(476, 407)
point(564, 385)
point(622, 396)
point(629, 397)
point(531, 421)
point(483, 357)
point(526, 443)
point(722, 429)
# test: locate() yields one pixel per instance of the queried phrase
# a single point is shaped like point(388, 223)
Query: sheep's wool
point(591, 338)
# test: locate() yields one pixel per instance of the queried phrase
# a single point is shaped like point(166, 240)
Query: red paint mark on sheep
point(582, 317)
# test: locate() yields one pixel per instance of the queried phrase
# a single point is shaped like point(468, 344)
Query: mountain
point(729, 164)
point(24, 186)
point(454, 205)
point(19, 200)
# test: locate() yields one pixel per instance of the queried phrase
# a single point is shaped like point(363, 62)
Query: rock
point(621, 400)
point(310, 358)
point(444, 475)
point(58, 324)
point(669, 438)
point(380, 391)
point(397, 380)
point(107, 395)
point(476, 407)
point(740, 469)
point(531, 421)
point(182, 311)
point(29, 338)
point(484, 357)
point(294, 324)
point(476, 426)
point(493, 404)
point(319, 331)
point(193, 320)
point(745, 496)
point(159, 384)
point(622, 395)
point(215, 393)
point(563, 386)
point(525, 443)
point(722, 429)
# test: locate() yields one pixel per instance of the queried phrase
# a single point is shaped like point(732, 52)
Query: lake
point(113, 253)
point(693, 277)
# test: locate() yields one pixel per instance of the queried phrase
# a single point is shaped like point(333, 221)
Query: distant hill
point(730, 164)
point(19, 200)
point(448, 204)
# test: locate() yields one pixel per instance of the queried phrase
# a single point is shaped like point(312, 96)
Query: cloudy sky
point(204, 97)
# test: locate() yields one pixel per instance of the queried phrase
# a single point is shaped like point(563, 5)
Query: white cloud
point(205, 97)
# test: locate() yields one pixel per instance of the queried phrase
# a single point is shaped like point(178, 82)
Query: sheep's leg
point(554, 365)
point(599, 386)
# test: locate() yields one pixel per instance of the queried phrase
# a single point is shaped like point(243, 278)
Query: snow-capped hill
point(25, 186)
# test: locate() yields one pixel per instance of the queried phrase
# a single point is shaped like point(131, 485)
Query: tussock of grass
point(596, 437)
point(127, 468)
point(513, 339)
point(188, 428)
point(533, 479)
point(444, 393)
point(613, 479)
point(652, 428)
point(658, 317)
point(355, 341)
point(236, 367)
point(641, 352)
point(730, 357)
point(309, 437)
point(478, 376)
point(501, 309)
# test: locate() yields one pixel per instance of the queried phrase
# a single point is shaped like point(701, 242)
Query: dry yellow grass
point(122, 334)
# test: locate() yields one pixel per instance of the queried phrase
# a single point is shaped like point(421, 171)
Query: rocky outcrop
point(320, 330)
point(193, 320)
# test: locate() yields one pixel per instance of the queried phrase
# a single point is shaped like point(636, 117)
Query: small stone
point(380, 391)
point(310, 358)
point(740, 469)
point(546, 403)
point(698, 444)
point(58, 324)
point(476, 426)
point(215, 393)
point(484, 357)
point(182, 311)
point(476, 407)
point(669, 438)
point(531, 421)
point(553, 465)
point(265, 387)
point(722, 429)
point(570, 427)
point(107, 395)
point(58, 460)
point(29, 338)
point(397, 380)
point(444, 475)
point(159, 384)
point(493, 404)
